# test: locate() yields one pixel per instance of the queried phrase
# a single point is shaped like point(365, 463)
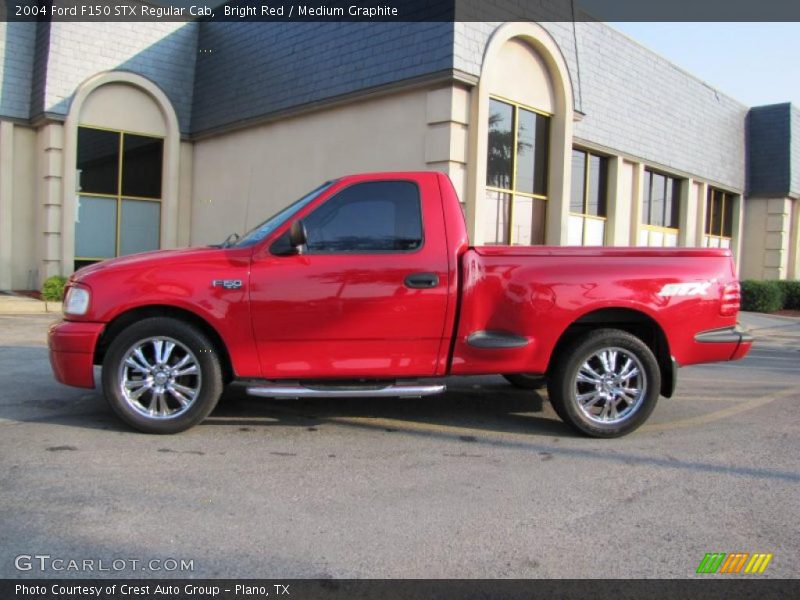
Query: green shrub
point(53, 288)
point(791, 294)
point(762, 296)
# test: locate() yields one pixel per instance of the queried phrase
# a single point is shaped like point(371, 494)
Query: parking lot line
point(724, 413)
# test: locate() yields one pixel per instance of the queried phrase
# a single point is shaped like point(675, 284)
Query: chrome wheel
point(610, 385)
point(159, 377)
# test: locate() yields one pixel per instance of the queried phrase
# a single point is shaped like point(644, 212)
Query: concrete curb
point(760, 321)
point(14, 304)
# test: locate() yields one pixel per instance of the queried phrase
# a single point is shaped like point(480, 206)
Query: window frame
point(335, 193)
point(512, 191)
point(588, 154)
point(727, 197)
point(119, 196)
point(647, 194)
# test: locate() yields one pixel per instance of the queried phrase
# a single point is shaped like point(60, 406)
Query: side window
point(375, 216)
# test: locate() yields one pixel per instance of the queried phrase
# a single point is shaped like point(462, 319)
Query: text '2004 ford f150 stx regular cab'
point(368, 286)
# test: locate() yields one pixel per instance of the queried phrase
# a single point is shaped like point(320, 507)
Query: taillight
point(731, 300)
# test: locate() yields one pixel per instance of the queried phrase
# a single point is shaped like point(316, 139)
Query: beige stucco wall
point(241, 178)
point(185, 171)
point(766, 238)
point(447, 136)
point(24, 274)
point(123, 106)
point(6, 207)
point(22, 214)
point(519, 74)
point(621, 180)
point(794, 241)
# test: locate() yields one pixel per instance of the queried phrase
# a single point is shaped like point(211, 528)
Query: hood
point(147, 259)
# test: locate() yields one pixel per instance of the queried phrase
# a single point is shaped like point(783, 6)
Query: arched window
point(119, 194)
point(522, 140)
point(121, 154)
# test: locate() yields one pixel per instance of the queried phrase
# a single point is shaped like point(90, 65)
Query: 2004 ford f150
point(367, 286)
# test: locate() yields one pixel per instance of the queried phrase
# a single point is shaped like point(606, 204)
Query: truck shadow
point(486, 403)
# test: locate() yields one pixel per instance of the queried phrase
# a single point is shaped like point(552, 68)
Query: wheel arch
point(633, 321)
point(120, 322)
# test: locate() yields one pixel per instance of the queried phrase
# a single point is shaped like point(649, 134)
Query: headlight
point(76, 301)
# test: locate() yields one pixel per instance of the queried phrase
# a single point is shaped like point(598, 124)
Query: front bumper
point(736, 338)
point(72, 346)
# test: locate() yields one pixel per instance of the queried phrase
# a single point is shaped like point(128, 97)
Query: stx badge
point(685, 289)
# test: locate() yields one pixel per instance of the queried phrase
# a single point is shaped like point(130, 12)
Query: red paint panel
point(183, 280)
point(538, 292)
point(72, 351)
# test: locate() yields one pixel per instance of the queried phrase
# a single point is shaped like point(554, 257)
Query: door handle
point(422, 280)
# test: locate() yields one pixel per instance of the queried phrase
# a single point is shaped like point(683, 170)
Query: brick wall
point(769, 168)
point(245, 70)
point(17, 50)
point(635, 101)
point(161, 51)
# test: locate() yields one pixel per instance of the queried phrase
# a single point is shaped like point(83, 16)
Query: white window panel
point(575, 231)
point(595, 232)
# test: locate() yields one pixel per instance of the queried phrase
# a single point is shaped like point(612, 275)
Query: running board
point(386, 391)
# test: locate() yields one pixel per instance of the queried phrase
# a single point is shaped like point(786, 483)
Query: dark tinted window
point(727, 216)
point(380, 216)
point(578, 191)
point(719, 213)
point(661, 200)
point(598, 186)
point(98, 161)
point(540, 146)
point(141, 166)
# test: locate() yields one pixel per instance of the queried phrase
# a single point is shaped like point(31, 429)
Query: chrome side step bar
point(352, 391)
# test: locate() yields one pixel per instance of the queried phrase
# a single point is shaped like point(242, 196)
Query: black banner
point(398, 10)
point(713, 588)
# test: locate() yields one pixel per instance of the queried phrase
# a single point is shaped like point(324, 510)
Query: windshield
point(261, 231)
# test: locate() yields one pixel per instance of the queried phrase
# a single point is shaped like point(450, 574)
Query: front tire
point(605, 384)
point(162, 375)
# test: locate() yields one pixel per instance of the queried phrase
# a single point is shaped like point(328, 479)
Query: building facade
point(122, 137)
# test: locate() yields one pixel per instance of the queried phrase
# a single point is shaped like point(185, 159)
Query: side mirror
point(297, 236)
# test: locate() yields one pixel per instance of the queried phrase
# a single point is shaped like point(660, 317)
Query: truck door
point(368, 295)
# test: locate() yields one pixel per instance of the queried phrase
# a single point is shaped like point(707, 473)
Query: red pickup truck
point(367, 286)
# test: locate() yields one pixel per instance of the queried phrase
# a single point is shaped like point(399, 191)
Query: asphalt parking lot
point(482, 482)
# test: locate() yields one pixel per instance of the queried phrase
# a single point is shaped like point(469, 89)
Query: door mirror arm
point(298, 237)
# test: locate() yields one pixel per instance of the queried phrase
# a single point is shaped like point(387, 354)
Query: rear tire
point(162, 375)
point(605, 384)
point(524, 381)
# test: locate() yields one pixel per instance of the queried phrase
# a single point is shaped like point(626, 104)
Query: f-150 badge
point(685, 289)
point(228, 284)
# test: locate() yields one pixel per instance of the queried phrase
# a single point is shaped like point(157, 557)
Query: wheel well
point(634, 322)
point(122, 321)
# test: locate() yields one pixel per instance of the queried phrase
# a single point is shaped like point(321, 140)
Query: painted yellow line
point(526, 436)
point(723, 413)
point(429, 427)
